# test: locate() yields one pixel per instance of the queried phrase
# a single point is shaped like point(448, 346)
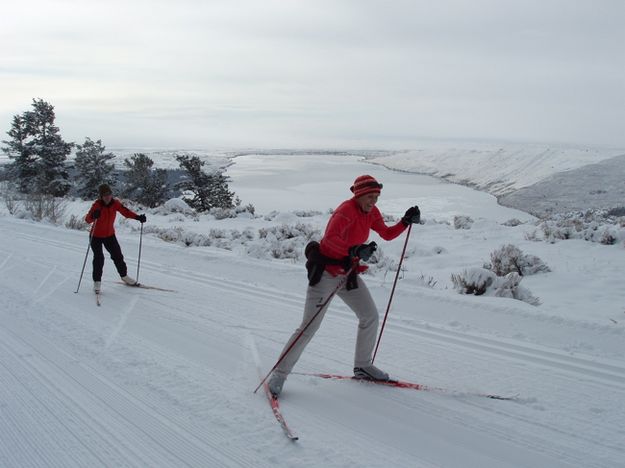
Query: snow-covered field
point(154, 378)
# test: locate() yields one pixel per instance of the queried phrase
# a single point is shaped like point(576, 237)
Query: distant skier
point(329, 261)
point(103, 213)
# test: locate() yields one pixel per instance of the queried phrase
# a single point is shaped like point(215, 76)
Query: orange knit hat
point(364, 185)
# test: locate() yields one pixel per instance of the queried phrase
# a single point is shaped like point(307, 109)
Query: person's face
point(368, 201)
point(107, 198)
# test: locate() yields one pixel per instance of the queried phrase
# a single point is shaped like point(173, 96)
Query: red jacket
point(104, 225)
point(350, 226)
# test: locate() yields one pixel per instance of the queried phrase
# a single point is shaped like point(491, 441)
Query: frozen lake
point(321, 182)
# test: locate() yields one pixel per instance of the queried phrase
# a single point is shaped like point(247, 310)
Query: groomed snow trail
point(154, 378)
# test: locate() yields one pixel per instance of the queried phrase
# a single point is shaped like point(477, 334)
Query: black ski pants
point(112, 246)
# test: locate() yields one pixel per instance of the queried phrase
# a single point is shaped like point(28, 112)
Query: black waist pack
point(316, 265)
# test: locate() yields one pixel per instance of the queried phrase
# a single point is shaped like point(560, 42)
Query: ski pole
point(139, 260)
point(86, 255)
point(390, 299)
point(321, 307)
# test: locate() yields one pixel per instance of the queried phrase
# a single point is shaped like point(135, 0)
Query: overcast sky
point(304, 73)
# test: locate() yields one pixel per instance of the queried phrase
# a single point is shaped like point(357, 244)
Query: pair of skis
point(98, 295)
point(145, 286)
point(275, 405)
point(409, 385)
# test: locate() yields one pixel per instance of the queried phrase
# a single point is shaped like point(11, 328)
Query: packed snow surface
point(166, 378)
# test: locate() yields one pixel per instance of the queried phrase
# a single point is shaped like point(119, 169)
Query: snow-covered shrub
point(552, 232)
point(602, 226)
point(271, 215)
point(46, 207)
point(473, 281)
point(462, 222)
point(306, 213)
point(509, 258)
point(285, 231)
point(219, 233)
point(513, 222)
point(173, 234)
point(222, 213)
point(10, 196)
point(249, 208)
point(509, 286)
point(76, 222)
point(174, 205)
point(220, 238)
point(11, 203)
point(283, 241)
point(427, 281)
point(479, 281)
point(237, 211)
point(532, 236)
point(379, 261)
point(609, 236)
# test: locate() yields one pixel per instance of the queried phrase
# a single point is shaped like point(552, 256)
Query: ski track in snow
point(155, 379)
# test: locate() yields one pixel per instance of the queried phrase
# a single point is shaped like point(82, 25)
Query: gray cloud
point(318, 73)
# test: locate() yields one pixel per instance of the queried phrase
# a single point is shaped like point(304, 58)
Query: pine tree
point(39, 151)
point(208, 190)
point(93, 168)
point(143, 184)
point(24, 168)
point(50, 149)
point(219, 192)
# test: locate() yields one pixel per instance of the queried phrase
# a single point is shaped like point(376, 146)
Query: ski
point(275, 407)
point(97, 299)
point(404, 384)
point(273, 401)
point(145, 286)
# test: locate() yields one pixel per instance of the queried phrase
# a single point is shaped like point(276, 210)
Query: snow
point(498, 168)
point(154, 378)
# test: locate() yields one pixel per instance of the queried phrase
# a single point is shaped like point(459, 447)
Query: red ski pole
point(139, 260)
point(321, 307)
point(390, 299)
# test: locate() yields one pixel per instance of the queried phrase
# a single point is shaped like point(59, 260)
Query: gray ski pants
point(359, 300)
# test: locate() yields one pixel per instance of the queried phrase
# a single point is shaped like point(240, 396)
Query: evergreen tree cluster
point(39, 168)
point(203, 191)
point(145, 184)
point(38, 151)
point(93, 168)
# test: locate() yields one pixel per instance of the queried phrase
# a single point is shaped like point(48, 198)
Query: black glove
point(96, 213)
point(363, 251)
point(412, 216)
point(141, 218)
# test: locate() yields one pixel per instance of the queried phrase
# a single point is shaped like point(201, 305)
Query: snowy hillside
point(598, 185)
point(157, 378)
point(498, 169)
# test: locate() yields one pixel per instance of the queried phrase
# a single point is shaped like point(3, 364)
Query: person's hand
point(141, 218)
point(363, 251)
point(412, 216)
point(96, 213)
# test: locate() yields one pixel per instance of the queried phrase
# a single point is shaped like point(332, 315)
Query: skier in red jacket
point(103, 213)
point(338, 253)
